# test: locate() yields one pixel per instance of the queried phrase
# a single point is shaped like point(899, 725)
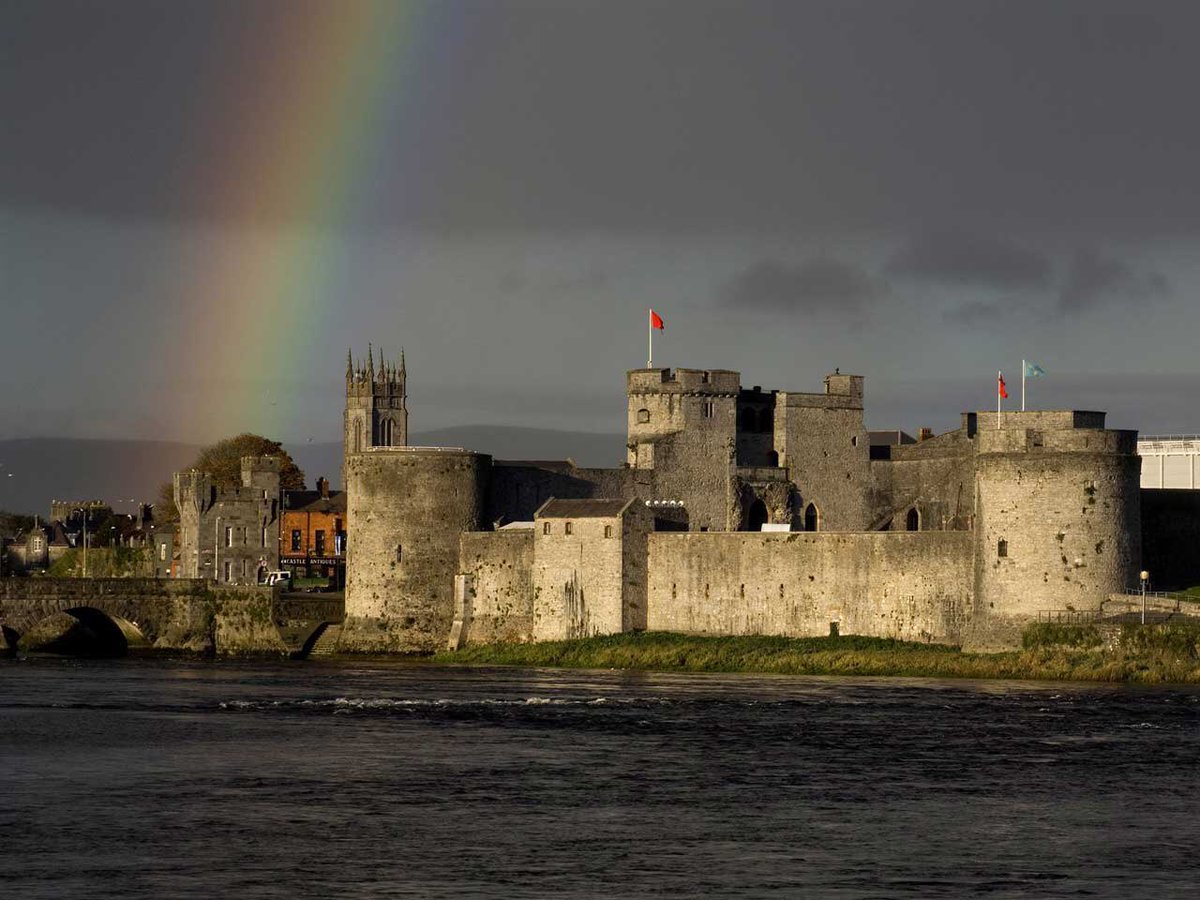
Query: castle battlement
point(682, 381)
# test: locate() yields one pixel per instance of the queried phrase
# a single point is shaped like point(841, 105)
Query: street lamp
point(1145, 576)
point(83, 514)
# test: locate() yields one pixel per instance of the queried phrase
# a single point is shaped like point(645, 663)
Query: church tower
point(376, 405)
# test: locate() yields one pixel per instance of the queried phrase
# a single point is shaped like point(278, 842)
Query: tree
point(223, 461)
point(12, 524)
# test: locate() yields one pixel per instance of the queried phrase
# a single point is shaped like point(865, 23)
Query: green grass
point(1150, 654)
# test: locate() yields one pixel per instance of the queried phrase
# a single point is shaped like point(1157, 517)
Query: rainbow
point(321, 93)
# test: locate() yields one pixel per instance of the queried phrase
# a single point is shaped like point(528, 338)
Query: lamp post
point(1144, 576)
point(83, 515)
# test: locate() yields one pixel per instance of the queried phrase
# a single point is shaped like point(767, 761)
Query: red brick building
point(312, 533)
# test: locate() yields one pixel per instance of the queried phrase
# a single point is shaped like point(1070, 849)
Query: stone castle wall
point(577, 578)
point(499, 565)
point(406, 508)
point(914, 586)
point(1054, 530)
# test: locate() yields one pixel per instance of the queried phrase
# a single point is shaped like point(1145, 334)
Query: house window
point(569, 528)
point(1002, 548)
point(319, 540)
point(709, 409)
point(296, 538)
point(339, 543)
point(545, 528)
point(228, 535)
point(608, 531)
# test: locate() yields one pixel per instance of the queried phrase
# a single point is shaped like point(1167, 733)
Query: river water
point(134, 778)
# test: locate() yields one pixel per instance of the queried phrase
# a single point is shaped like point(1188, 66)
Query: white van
point(282, 578)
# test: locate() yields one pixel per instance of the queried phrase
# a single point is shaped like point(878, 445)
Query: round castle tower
point(1058, 516)
point(406, 507)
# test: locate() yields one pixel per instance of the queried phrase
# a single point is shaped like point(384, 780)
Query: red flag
point(1003, 390)
point(656, 321)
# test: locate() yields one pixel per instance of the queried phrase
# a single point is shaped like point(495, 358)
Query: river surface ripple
point(188, 779)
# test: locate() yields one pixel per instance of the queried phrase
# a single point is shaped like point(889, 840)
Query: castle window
point(854, 441)
point(608, 531)
point(1002, 548)
point(228, 537)
point(569, 528)
point(162, 552)
point(399, 553)
point(643, 416)
point(709, 409)
point(812, 518)
point(264, 536)
point(545, 528)
point(766, 420)
point(357, 436)
point(912, 522)
point(228, 571)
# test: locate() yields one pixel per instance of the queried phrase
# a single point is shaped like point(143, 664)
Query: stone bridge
point(110, 616)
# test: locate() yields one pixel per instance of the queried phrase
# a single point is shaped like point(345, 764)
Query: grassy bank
point(1147, 655)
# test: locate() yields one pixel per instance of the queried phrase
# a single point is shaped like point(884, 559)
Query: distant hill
point(34, 471)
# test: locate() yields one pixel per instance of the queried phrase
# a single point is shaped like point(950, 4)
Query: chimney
point(323, 487)
point(924, 434)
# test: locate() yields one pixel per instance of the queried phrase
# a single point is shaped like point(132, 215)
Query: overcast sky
point(920, 192)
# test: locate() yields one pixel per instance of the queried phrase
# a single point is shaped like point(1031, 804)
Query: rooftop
point(582, 509)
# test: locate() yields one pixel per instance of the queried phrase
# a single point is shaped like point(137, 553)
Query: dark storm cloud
point(817, 285)
point(966, 259)
point(676, 116)
point(1093, 279)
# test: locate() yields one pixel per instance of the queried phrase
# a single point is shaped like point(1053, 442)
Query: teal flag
point(1033, 370)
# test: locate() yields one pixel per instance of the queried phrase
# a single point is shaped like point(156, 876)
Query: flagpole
point(649, 341)
point(999, 375)
point(1023, 385)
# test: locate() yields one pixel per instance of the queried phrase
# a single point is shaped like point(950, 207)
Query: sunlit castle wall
point(406, 510)
point(1058, 516)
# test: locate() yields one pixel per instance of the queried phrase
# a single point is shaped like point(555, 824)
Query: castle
point(737, 511)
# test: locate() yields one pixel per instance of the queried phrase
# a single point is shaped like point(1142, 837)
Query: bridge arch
point(83, 631)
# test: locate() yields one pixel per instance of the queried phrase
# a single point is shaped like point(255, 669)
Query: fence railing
point(1068, 616)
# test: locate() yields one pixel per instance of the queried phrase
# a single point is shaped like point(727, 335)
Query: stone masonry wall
point(823, 444)
point(405, 511)
point(1055, 531)
point(914, 586)
point(577, 578)
point(499, 564)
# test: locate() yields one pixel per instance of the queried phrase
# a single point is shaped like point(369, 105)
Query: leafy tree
point(223, 461)
point(11, 523)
